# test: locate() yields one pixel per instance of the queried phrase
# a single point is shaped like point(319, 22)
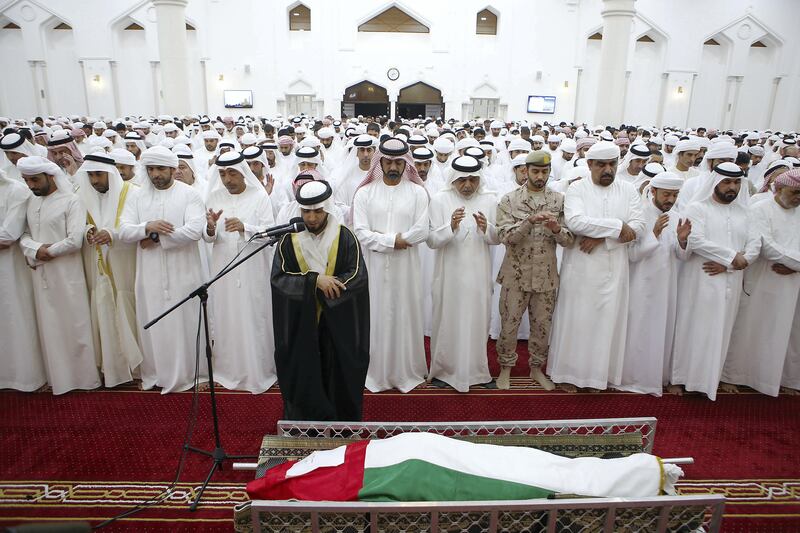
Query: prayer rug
point(91, 455)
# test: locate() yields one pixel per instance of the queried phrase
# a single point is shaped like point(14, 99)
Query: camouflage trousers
point(513, 303)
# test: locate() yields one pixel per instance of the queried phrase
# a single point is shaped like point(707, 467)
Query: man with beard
point(353, 171)
point(238, 207)
point(20, 352)
point(723, 243)
point(205, 148)
point(633, 163)
point(562, 160)
point(766, 319)
point(166, 220)
point(63, 151)
point(530, 222)
point(52, 244)
point(434, 182)
point(321, 313)
point(607, 214)
point(655, 258)
point(256, 159)
point(720, 152)
point(330, 149)
point(757, 167)
point(110, 266)
point(461, 232)
point(390, 217)
point(423, 162)
point(519, 176)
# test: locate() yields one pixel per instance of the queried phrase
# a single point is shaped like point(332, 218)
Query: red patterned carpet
point(90, 455)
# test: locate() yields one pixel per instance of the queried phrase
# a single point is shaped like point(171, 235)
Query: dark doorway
point(411, 110)
point(370, 110)
point(419, 99)
point(365, 98)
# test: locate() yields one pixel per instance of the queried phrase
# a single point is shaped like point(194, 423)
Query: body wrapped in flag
point(431, 467)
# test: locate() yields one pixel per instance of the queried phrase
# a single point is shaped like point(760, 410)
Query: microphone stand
point(218, 454)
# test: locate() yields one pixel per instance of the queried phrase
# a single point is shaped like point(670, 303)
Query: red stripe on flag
point(331, 483)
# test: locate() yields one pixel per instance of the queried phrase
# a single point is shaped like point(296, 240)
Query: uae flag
point(430, 467)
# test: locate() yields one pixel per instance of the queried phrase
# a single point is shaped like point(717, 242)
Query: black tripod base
point(219, 456)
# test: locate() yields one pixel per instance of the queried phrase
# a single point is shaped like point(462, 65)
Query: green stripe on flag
point(416, 480)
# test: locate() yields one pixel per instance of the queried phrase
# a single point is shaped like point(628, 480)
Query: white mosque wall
point(541, 48)
point(18, 96)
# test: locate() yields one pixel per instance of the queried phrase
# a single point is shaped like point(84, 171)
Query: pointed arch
point(762, 30)
point(51, 15)
point(394, 18)
point(419, 99)
point(7, 23)
point(128, 17)
point(645, 27)
point(486, 21)
point(485, 90)
point(299, 17)
point(365, 98)
point(300, 86)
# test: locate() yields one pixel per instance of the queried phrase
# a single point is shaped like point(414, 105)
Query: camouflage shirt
point(530, 260)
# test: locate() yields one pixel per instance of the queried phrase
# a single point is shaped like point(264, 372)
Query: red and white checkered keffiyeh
point(790, 178)
point(375, 171)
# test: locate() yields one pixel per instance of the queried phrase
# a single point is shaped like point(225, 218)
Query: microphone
point(295, 225)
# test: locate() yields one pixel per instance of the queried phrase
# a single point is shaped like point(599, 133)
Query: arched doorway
point(420, 100)
point(365, 98)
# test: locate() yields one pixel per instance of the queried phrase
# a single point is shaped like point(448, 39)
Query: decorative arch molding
point(301, 22)
point(493, 9)
point(137, 13)
point(593, 33)
point(300, 86)
point(23, 12)
point(739, 36)
point(644, 26)
point(431, 89)
point(7, 22)
point(394, 92)
point(488, 25)
point(749, 28)
point(718, 39)
point(352, 85)
point(484, 90)
point(408, 11)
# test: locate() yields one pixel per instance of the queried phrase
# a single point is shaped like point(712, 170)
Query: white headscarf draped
point(104, 216)
point(26, 148)
point(250, 179)
point(316, 248)
point(706, 190)
point(28, 166)
point(261, 157)
point(156, 156)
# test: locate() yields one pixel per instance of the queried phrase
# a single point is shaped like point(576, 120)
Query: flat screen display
point(238, 98)
point(542, 104)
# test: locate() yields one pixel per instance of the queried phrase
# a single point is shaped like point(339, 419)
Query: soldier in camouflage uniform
point(530, 221)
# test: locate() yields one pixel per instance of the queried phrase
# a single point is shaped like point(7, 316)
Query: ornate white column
point(617, 21)
point(173, 52)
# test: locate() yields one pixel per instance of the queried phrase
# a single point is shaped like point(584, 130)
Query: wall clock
point(393, 74)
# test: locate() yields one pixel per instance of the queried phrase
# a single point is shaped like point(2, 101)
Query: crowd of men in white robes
point(665, 259)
